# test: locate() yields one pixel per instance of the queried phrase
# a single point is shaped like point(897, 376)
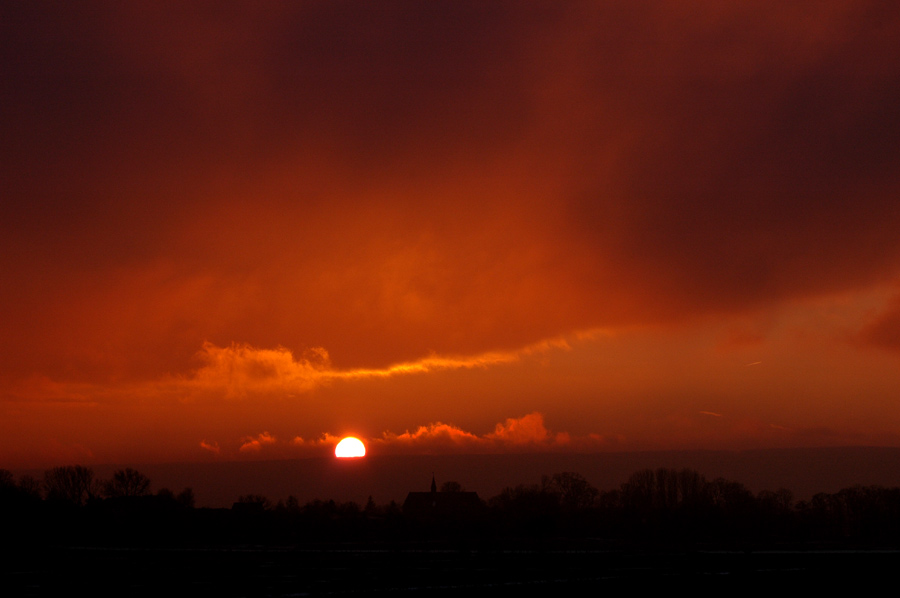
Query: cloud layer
point(239, 371)
point(524, 434)
point(433, 188)
point(398, 179)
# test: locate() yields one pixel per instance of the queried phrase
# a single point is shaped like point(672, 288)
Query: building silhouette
point(440, 507)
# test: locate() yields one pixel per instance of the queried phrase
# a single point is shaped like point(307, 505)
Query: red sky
point(241, 230)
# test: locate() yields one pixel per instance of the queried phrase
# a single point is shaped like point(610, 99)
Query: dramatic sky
point(238, 230)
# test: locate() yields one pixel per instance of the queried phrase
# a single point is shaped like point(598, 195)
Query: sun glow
point(350, 447)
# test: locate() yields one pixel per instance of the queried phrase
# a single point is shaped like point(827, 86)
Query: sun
point(350, 447)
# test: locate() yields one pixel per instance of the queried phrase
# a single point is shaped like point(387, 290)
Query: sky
point(243, 230)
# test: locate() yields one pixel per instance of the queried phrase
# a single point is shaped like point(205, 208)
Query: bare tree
point(27, 490)
point(451, 486)
point(31, 487)
point(71, 483)
point(186, 498)
point(127, 482)
point(667, 489)
point(253, 501)
point(573, 490)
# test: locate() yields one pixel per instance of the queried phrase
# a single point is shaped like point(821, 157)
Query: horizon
point(804, 471)
point(240, 233)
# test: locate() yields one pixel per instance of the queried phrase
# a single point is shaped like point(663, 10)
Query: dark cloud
point(764, 166)
point(389, 179)
point(884, 330)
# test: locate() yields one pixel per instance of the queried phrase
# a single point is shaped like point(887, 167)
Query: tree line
point(652, 505)
point(76, 485)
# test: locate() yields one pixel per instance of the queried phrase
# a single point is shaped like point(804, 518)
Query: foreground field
point(419, 570)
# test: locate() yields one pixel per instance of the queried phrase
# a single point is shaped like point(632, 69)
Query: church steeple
point(433, 484)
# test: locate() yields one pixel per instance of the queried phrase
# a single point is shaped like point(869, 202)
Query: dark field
point(348, 570)
point(660, 529)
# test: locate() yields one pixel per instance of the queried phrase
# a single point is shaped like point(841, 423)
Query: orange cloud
point(884, 330)
point(212, 447)
point(255, 444)
point(433, 436)
point(445, 228)
point(239, 370)
point(436, 363)
point(526, 432)
point(325, 440)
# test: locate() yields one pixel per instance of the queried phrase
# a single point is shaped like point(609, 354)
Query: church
point(436, 507)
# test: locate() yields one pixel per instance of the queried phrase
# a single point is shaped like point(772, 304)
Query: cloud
point(325, 440)
point(432, 436)
point(524, 433)
point(212, 447)
point(45, 390)
point(734, 178)
point(254, 444)
point(252, 176)
point(437, 363)
point(540, 173)
point(528, 429)
point(884, 330)
point(240, 370)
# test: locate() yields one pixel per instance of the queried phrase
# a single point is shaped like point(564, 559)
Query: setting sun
point(350, 447)
point(602, 253)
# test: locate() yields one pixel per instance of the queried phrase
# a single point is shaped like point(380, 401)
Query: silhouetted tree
point(451, 486)
point(526, 508)
point(292, 505)
point(71, 483)
point(185, 498)
point(776, 517)
point(26, 493)
point(127, 482)
point(858, 512)
point(665, 490)
point(730, 496)
point(393, 510)
point(371, 508)
point(30, 487)
point(255, 501)
point(777, 503)
point(692, 489)
point(573, 490)
point(8, 489)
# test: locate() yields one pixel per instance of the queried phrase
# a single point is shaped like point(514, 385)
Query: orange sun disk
point(350, 447)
